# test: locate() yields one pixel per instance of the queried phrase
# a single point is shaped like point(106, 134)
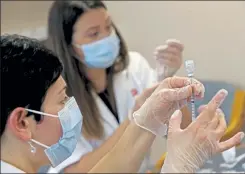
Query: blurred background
point(213, 33)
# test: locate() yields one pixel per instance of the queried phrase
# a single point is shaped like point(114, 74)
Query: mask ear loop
point(41, 113)
point(33, 149)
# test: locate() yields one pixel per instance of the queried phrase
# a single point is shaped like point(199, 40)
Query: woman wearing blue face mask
point(39, 123)
point(101, 74)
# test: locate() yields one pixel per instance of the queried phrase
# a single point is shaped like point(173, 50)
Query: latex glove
point(141, 98)
point(168, 58)
point(189, 149)
point(229, 155)
point(170, 95)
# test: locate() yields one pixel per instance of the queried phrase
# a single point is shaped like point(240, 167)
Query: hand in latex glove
point(168, 58)
point(170, 95)
point(188, 149)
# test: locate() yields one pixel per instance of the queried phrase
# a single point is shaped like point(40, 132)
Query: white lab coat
point(138, 76)
point(8, 168)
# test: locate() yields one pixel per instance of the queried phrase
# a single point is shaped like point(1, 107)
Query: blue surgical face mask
point(102, 53)
point(71, 121)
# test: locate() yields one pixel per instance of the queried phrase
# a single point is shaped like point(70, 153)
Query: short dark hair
point(28, 69)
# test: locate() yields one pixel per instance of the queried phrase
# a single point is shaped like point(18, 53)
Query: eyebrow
point(64, 88)
point(97, 26)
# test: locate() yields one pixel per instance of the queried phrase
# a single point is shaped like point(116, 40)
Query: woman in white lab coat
point(101, 74)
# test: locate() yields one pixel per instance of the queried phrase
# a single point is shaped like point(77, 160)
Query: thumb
point(141, 98)
point(149, 91)
point(175, 121)
point(146, 93)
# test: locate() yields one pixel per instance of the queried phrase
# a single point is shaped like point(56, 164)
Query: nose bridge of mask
point(100, 45)
point(70, 115)
point(74, 111)
point(96, 47)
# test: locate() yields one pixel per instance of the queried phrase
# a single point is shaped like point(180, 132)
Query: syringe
point(189, 66)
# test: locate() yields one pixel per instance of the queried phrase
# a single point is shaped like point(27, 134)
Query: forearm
point(88, 161)
point(128, 154)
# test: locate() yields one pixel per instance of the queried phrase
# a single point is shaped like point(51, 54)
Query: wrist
point(130, 114)
point(151, 125)
point(139, 130)
point(170, 72)
point(174, 166)
point(134, 141)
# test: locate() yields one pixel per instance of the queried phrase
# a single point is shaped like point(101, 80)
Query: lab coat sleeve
point(142, 74)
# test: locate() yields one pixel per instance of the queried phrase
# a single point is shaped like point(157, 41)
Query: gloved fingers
point(222, 126)
point(184, 93)
point(171, 43)
point(166, 62)
point(160, 48)
point(217, 100)
point(175, 43)
point(198, 87)
point(198, 90)
point(175, 95)
point(169, 62)
point(171, 50)
point(179, 82)
point(182, 103)
point(209, 112)
point(175, 122)
point(212, 125)
point(201, 108)
point(170, 56)
point(233, 141)
point(215, 123)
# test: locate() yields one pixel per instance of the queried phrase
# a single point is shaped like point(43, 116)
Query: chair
point(233, 108)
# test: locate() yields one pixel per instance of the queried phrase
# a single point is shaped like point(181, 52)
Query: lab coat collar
point(121, 87)
point(106, 114)
point(8, 168)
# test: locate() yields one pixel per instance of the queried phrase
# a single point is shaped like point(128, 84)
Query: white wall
point(22, 15)
point(213, 32)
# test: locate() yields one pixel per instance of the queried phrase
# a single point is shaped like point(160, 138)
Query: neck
point(16, 156)
point(98, 78)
